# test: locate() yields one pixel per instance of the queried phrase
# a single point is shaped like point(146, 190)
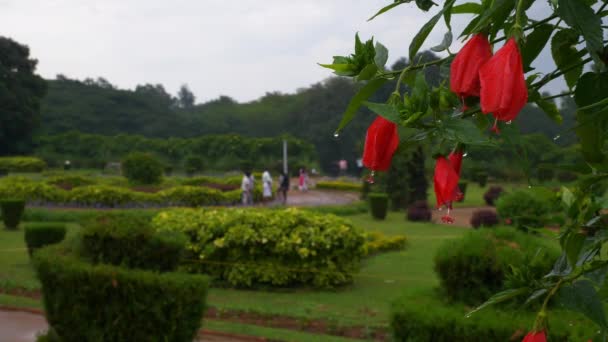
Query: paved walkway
point(19, 326)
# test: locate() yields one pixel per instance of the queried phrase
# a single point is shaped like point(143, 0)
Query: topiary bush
point(526, 208)
point(194, 164)
point(419, 211)
point(85, 302)
point(38, 235)
point(484, 218)
point(492, 195)
point(129, 240)
point(22, 164)
point(142, 168)
point(12, 211)
point(378, 203)
point(481, 177)
point(474, 267)
point(247, 248)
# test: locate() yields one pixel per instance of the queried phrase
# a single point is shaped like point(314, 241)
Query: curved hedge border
point(337, 185)
point(22, 164)
point(277, 247)
point(422, 317)
point(99, 195)
point(85, 302)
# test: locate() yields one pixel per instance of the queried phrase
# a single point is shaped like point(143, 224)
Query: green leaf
point(535, 296)
point(445, 43)
point(469, 28)
point(426, 30)
point(464, 131)
point(368, 72)
point(381, 55)
point(581, 296)
point(364, 93)
point(499, 11)
point(341, 69)
point(387, 111)
point(561, 267)
point(550, 108)
point(535, 42)
point(580, 16)
point(499, 298)
point(592, 123)
point(565, 55)
point(467, 7)
point(425, 5)
point(567, 197)
point(574, 244)
point(388, 8)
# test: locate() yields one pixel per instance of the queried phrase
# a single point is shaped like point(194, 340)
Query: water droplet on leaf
point(509, 122)
point(555, 138)
point(465, 154)
point(336, 134)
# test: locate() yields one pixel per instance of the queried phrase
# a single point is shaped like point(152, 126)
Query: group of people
point(248, 186)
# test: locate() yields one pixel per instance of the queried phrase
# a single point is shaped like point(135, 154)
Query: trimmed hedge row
point(85, 302)
point(38, 235)
point(112, 196)
point(22, 164)
point(378, 242)
point(423, 317)
point(337, 185)
point(277, 247)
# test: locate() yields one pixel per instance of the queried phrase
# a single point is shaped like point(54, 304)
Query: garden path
point(23, 326)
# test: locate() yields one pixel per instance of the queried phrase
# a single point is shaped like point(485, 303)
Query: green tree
point(185, 97)
point(20, 93)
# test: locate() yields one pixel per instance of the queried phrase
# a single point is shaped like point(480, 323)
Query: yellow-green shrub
point(377, 242)
point(22, 164)
point(246, 247)
point(337, 185)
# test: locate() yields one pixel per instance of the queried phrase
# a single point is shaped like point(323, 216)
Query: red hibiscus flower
point(503, 86)
point(464, 71)
point(535, 336)
point(381, 142)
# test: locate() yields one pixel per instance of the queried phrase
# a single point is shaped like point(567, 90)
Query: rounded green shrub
point(85, 302)
point(194, 164)
point(247, 248)
point(481, 177)
point(527, 208)
point(38, 235)
point(22, 164)
point(142, 168)
point(378, 203)
point(476, 266)
point(12, 211)
point(130, 241)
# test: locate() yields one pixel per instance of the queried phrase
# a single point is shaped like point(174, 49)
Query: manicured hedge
point(85, 302)
point(22, 164)
point(379, 242)
point(101, 195)
point(129, 240)
point(337, 185)
point(247, 247)
point(38, 235)
point(12, 211)
point(423, 317)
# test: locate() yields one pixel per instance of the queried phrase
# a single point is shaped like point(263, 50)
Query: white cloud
point(239, 48)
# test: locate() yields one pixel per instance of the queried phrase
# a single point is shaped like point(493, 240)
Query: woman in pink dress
point(302, 181)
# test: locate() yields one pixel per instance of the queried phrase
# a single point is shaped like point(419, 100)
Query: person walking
point(283, 186)
point(247, 188)
point(267, 186)
point(302, 181)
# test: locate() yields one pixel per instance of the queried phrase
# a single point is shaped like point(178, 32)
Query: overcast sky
point(241, 48)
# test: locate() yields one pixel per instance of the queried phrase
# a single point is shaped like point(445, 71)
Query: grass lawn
point(366, 302)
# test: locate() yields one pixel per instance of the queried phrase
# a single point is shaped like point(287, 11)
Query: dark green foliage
point(85, 302)
point(22, 164)
point(431, 319)
point(378, 203)
point(38, 235)
point(418, 183)
point(545, 173)
point(193, 164)
point(484, 218)
point(481, 178)
point(474, 267)
point(249, 248)
point(398, 179)
point(79, 216)
point(21, 91)
point(463, 188)
point(129, 240)
point(142, 168)
point(492, 195)
point(419, 212)
point(12, 211)
point(566, 177)
point(527, 208)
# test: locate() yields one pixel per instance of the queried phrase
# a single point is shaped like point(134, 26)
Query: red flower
point(535, 336)
point(503, 86)
point(381, 142)
point(446, 182)
point(464, 71)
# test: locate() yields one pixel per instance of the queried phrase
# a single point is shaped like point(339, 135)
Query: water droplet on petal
point(555, 138)
point(509, 122)
point(336, 134)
